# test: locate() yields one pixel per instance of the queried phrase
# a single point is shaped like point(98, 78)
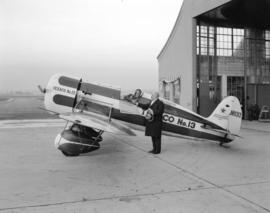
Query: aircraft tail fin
point(228, 115)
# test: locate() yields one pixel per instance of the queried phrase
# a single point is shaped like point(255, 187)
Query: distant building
point(217, 48)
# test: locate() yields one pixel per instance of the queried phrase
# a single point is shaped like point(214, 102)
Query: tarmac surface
point(188, 176)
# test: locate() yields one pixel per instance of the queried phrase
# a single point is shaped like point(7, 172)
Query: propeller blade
point(42, 90)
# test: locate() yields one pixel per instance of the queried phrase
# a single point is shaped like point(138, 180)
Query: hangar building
point(217, 48)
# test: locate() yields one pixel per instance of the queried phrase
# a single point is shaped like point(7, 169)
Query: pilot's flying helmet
point(137, 93)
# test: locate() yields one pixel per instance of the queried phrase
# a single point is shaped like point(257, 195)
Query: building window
point(229, 41)
point(224, 41)
point(171, 90)
point(258, 55)
point(166, 90)
point(267, 44)
point(238, 42)
point(205, 40)
point(177, 90)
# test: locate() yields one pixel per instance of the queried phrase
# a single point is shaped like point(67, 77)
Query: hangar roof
point(243, 13)
point(237, 13)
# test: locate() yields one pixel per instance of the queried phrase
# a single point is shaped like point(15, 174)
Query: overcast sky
point(110, 41)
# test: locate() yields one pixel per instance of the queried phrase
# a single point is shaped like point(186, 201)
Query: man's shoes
point(153, 152)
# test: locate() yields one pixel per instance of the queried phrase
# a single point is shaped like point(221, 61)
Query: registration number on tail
point(236, 114)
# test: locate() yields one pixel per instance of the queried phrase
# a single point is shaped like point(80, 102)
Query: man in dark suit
point(153, 121)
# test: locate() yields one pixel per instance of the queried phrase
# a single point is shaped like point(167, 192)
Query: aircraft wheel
point(221, 144)
point(68, 154)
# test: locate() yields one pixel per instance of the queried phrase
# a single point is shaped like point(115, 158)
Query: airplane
point(91, 109)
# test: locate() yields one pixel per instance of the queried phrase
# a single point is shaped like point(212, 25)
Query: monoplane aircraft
point(91, 109)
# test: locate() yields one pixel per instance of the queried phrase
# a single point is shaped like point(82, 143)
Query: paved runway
point(188, 176)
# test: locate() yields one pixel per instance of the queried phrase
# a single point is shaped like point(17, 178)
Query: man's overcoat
point(154, 128)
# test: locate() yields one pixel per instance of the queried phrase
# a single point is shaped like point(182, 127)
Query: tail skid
point(228, 115)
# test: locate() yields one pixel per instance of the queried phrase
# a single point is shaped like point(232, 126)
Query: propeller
point(42, 90)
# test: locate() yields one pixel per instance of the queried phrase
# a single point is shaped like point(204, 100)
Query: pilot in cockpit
point(134, 98)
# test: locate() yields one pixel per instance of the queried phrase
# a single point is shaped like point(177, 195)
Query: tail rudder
point(228, 115)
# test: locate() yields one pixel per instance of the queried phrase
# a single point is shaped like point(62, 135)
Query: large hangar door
point(258, 94)
point(263, 95)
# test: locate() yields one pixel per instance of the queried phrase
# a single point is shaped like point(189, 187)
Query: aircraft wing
point(99, 122)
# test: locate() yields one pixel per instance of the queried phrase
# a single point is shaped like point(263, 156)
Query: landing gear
point(77, 140)
point(227, 139)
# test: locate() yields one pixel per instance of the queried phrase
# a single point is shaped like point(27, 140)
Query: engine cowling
point(61, 92)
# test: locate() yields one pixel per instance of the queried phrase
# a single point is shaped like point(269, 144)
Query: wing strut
point(76, 96)
point(110, 115)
